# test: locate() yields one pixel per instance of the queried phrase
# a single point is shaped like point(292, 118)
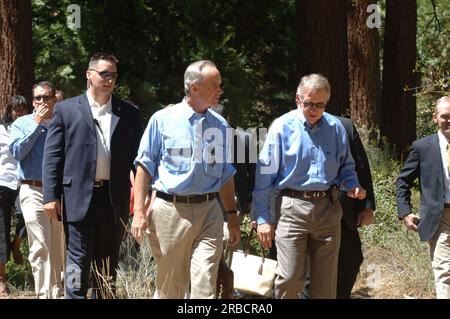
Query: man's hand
point(411, 221)
point(139, 225)
point(53, 209)
point(41, 113)
point(266, 235)
point(366, 217)
point(234, 230)
point(357, 192)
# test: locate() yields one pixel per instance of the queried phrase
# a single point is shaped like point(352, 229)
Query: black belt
point(101, 183)
point(31, 182)
point(192, 199)
point(307, 194)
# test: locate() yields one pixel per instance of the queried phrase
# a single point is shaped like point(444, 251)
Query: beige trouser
point(440, 256)
point(46, 241)
point(186, 241)
point(303, 226)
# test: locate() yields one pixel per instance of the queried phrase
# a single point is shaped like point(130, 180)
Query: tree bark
point(398, 107)
point(322, 46)
point(364, 67)
point(16, 61)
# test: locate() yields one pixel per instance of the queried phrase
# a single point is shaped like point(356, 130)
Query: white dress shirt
point(102, 115)
point(8, 165)
point(443, 146)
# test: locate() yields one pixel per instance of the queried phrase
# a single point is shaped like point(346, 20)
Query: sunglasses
point(309, 104)
point(106, 75)
point(44, 98)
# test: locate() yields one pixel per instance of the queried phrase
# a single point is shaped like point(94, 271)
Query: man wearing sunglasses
point(91, 144)
point(306, 157)
point(45, 235)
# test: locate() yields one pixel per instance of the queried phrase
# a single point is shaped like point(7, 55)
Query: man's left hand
point(53, 209)
point(357, 192)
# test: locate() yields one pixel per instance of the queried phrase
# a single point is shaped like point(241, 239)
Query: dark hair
point(48, 84)
point(15, 102)
point(102, 56)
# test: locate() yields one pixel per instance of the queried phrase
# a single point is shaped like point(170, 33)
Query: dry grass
point(400, 269)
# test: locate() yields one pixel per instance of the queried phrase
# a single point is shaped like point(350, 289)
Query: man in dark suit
point(428, 160)
point(355, 213)
point(91, 144)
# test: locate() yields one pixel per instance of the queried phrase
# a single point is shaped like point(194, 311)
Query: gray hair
point(313, 83)
point(193, 74)
point(444, 99)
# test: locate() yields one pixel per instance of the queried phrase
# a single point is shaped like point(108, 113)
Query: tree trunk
point(16, 61)
point(398, 107)
point(322, 46)
point(364, 67)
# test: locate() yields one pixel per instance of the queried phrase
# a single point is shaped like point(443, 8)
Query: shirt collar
point(306, 123)
point(92, 103)
point(443, 142)
point(188, 112)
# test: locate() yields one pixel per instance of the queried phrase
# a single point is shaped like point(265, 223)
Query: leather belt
point(306, 194)
point(446, 205)
point(192, 199)
point(31, 182)
point(100, 183)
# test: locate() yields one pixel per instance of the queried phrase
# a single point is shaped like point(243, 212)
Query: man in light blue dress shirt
point(306, 156)
point(45, 235)
point(183, 156)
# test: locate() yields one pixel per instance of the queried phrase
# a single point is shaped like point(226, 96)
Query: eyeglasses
point(309, 104)
point(106, 75)
point(44, 98)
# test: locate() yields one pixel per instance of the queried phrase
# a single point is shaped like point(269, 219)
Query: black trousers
point(93, 242)
point(7, 199)
point(350, 260)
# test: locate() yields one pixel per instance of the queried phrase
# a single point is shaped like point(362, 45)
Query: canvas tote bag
point(253, 275)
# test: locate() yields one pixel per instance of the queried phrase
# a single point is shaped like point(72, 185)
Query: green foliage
point(253, 45)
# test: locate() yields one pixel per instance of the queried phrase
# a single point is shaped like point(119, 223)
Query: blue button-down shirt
point(186, 152)
point(27, 146)
point(299, 156)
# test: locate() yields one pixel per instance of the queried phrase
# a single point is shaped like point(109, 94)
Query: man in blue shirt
point(45, 235)
point(183, 156)
point(305, 156)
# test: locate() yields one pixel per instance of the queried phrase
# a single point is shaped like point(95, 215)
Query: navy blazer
point(352, 207)
point(71, 153)
point(424, 162)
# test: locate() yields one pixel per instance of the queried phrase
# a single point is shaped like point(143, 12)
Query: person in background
point(59, 95)
point(45, 235)
point(9, 184)
point(429, 161)
point(92, 141)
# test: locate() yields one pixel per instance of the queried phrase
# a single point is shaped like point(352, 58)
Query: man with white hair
point(428, 160)
point(306, 157)
point(182, 156)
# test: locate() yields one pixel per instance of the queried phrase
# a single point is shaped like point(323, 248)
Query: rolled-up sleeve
point(149, 149)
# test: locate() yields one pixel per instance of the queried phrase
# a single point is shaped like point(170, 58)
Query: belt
point(192, 199)
point(100, 183)
point(31, 182)
point(306, 194)
point(447, 205)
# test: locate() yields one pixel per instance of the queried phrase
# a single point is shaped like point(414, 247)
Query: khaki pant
point(307, 226)
point(46, 241)
point(186, 241)
point(440, 256)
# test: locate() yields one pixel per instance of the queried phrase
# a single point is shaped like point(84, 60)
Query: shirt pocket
point(177, 155)
point(213, 158)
